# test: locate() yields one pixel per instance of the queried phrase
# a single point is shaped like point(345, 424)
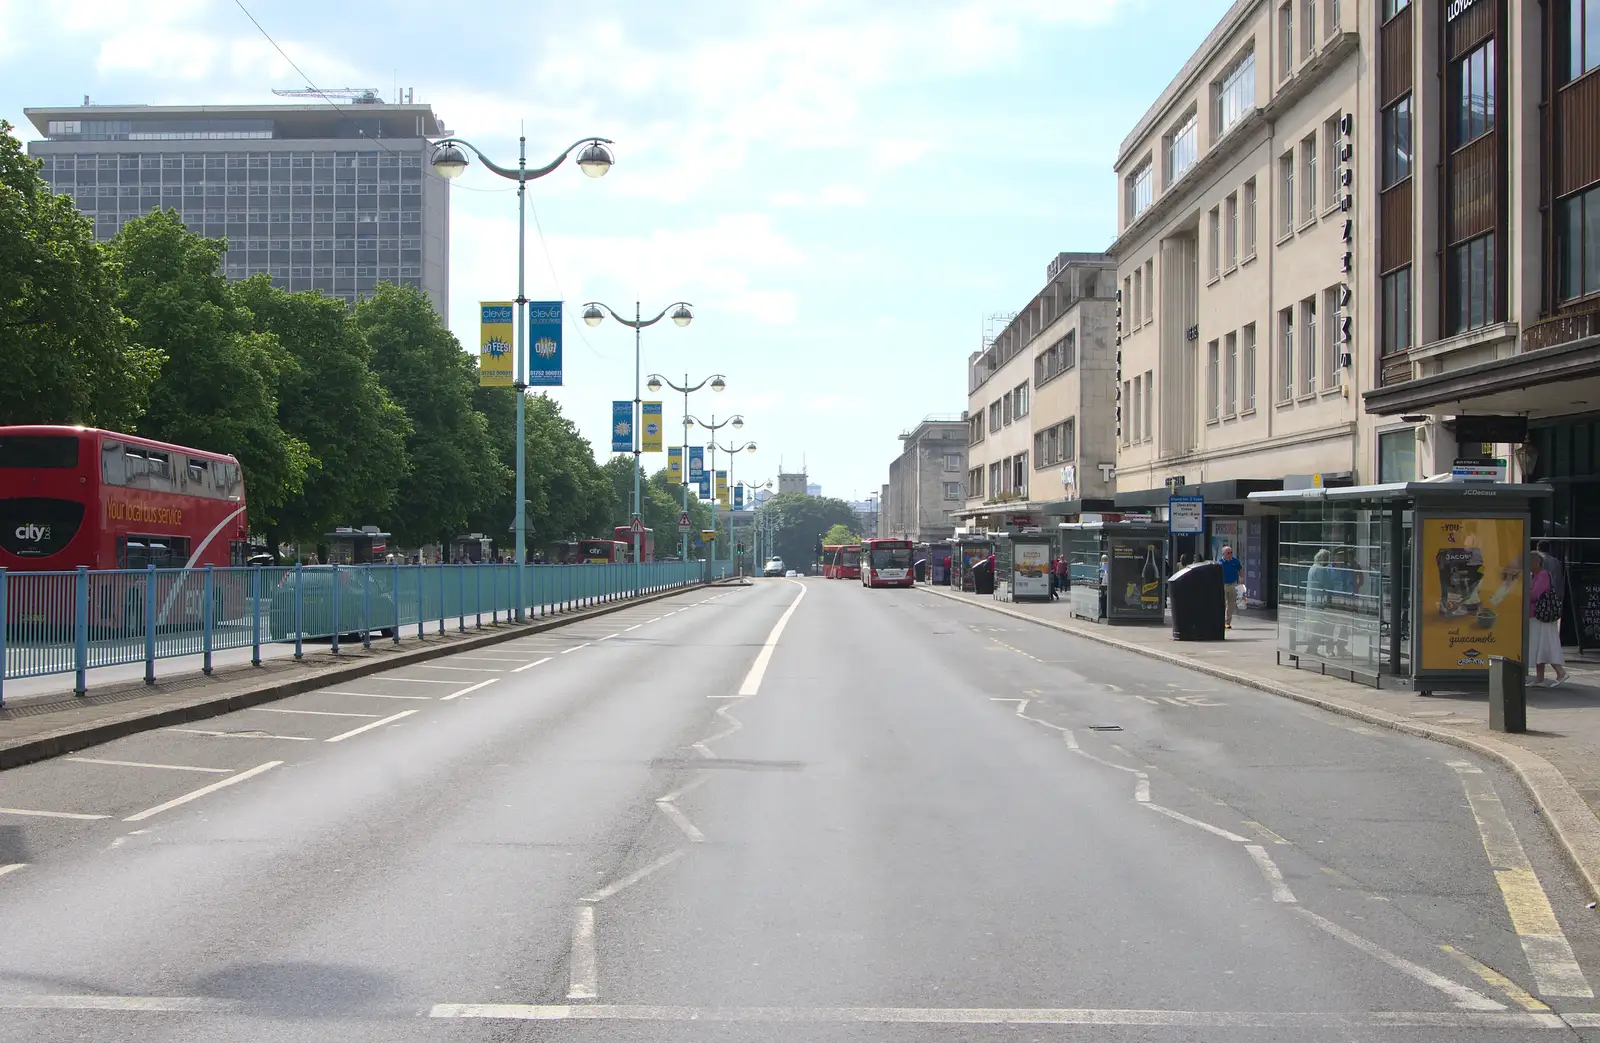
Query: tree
point(332, 400)
point(218, 388)
point(660, 503)
point(840, 535)
point(801, 521)
point(64, 346)
point(455, 470)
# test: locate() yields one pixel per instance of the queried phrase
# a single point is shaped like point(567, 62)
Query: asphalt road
point(757, 814)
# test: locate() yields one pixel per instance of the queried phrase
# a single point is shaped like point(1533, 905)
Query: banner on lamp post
point(496, 366)
point(722, 488)
point(544, 344)
point(697, 466)
point(704, 492)
point(675, 465)
point(738, 497)
point(650, 418)
point(622, 427)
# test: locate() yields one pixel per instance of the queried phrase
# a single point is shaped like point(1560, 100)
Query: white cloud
point(827, 196)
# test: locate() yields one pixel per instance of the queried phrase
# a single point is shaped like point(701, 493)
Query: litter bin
point(1197, 610)
point(983, 577)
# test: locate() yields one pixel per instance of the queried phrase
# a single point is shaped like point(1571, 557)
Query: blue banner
point(544, 345)
point(622, 426)
point(697, 464)
point(705, 485)
point(738, 497)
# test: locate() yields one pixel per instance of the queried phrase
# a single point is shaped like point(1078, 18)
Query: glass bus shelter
point(1117, 570)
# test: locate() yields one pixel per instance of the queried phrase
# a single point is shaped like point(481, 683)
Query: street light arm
point(714, 427)
point(667, 381)
point(637, 324)
point(512, 173)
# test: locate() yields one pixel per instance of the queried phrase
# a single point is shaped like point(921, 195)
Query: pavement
point(793, 810)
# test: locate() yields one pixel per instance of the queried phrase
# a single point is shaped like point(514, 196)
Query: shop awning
point(1229, 490)
point(1544, 382)
point(1091, 505)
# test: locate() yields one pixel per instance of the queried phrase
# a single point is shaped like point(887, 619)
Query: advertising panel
point(622, 426)
point(1461, 625)
point(652, 426)
point(1031, 571)
point(1136, 578)
point(544, 344)
point(495, 364)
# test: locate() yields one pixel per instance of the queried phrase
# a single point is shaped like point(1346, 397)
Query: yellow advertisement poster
point(722, 488)
point(1472, 604)
point(652, 427)
point(495, 364)
point(675, 465)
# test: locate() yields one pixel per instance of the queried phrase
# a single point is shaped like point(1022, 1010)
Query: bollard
point(1508, 698)
point(3, 626)
point(395, 597)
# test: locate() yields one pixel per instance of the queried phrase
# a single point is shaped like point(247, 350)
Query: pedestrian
point(1544, 623)
point(1231, 568)
point(1557, 570)
point(1319, 595)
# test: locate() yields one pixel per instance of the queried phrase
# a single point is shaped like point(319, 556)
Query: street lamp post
point(756, 514)
point(450, 162)
point(732, 452)
point(717, 384)
point(594, 313)
point(735, 422)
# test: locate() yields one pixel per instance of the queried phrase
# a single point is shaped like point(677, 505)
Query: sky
point(843, 190)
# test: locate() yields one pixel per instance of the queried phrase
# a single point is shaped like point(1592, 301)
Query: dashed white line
point(1269, 869)
point(148, 764)
point(1463, 997)
point(368, 727)
point(465, 669)
point(574, 648)
point(376, 695)
point(1141, 789)
point(583, 972)
point(204, 790)
point(530, 666)
point(636, 626)
point(170, 1004)
point(12, 868)
point(30, 813)
point(413, 680)
point(470, 688)
point(242, 735)
point(1208, 827)
point(681, 820)
point(634, 877)
point(608, 637)
point(312, 713)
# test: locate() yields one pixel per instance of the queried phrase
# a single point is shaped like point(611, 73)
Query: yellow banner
point(495, 360)
point(675, 465)
point(722, 488)
point(1462, 623)
point(652, 427)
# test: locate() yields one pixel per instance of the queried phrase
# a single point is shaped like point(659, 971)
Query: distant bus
point(647, 542)
point(886, 563)
point(603, 552)
point(842, 561)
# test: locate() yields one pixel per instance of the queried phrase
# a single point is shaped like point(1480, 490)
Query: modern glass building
point(336, 198)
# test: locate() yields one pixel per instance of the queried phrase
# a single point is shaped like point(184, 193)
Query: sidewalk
point(1558, 758)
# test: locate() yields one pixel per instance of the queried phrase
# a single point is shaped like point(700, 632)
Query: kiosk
point(1117, 570)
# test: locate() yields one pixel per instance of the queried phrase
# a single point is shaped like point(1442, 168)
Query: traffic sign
point(638, 525)
point(683, 522)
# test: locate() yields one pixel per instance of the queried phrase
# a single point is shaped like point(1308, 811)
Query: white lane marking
point(470, 688)
point(1141, 789)
point(1265, 832)
point(1224, 1019)
point(1208, 827)
point(412, 680)
point(1579, 1020)
point(12, 868)
point(1270, 870)
point(608, 637)
point(636, 626)
point(703, 750)
point(681, 820)
point(465, 669)
point(376, 695)
point(1022, 704)
point(583, 972)
point(159, 1004)
point(490, 658)
point(312, 713)
point(1550, 956)
point(1463, 997)
point(368, 727)
point(530, 666)
point(634, 877)
point(758, 669)
point(574, 648)
point(148, 764)
point(242, 735)
point(1493, 978)
point(655, 620)
point(202, 791)
point(30, 813)
point(692, 784)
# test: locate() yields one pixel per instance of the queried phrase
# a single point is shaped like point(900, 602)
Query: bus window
point(198, 470)
point(131, 554)
point(54, 451)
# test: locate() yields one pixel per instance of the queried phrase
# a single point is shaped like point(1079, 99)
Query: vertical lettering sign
point(622, 426)
point(544, 344)
point(496, 368)
point(1344, 174)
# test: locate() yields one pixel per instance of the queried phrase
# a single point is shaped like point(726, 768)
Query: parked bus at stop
point(886, 563)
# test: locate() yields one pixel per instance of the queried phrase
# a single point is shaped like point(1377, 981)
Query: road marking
point(376, 695)
point(147, 764)
point(156, 1004)
point(1208, 827)
point(608, 637)
point(12, 868)
point(758, 669)
point(655, 620)
point(1141, 789)
point(634, 877)
point(1022, 704)
point(242, 735)
point(312, 713)
point(490, 658)
point(1463, 997)
point(50, 814)
point(413, 680)
point(1516, 993)
point(681, 820)
point(692, 784)
point(1225, 1019)
point(703, 750)
point(574, 648)
point(470, 688)
point(1265, 832)
point(1550, 957)
point(530, 666)
point(583, 973)
point(1269, 869)
point(465, 669)
point(368, 727)
point(636, 626)
point(202, 791)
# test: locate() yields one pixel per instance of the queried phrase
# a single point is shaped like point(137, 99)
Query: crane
point(358, 95)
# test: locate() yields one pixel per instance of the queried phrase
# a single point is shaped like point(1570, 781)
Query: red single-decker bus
point(841, 561)
point(887, 563)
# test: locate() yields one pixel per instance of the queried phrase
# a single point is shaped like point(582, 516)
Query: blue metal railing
point(72, 622)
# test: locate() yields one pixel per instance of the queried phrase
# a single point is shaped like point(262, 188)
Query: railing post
point(299, 607)
point(207, 620)
point(255, 616)
point(494, 594)
point(421, 568)
point(441, 598)
point(366, 606)
point(4, 626)
point(394, 595)
point(477, 594)
point(338, 617)
point(149, 624)
point(461, 597)
point(81, 632)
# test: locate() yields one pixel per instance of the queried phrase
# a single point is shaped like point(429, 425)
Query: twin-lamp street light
point(735, 422)
point(449, 162)
point(657, 381)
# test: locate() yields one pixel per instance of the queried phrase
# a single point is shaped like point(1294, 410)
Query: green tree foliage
point(64, 346)
point(333, 401)
point(454, 469)
point(218, 388)
point(801, 520)
point(841, 534)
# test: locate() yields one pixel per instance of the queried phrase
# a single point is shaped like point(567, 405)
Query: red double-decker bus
point(647, 542)
point(887, 563)
point(603, 552)
point(841, 561)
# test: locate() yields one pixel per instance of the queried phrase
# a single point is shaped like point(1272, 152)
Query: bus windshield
point(891, 557)
point(850, 557)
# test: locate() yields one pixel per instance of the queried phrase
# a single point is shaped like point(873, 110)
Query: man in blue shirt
point(1231, 568)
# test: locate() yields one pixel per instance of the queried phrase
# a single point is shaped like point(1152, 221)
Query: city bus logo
point(31, 533)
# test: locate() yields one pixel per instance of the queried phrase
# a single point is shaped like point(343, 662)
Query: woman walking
point(1544, 623)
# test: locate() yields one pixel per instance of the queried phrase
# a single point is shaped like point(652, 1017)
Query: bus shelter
point(1408, 585)
point(1022, 566)
point(351, 546)
point(1116, 570)
point(968, 552)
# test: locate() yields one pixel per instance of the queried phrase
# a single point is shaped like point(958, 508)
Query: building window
point(1125, 412)
point(1583, 37)
point(1396, 319)
point(1474, 94)
point(1019, 474)
point(1578, 243)
point(1138, 293)
point(1308, 346)
point(1330, 160)
point(1141, 191)
point(1182, 148)
point(1129, 311)
point(1286, 192)
point(975, 481)
point(1308, 178)
point(1285, 40)
point(1397, 456)
point(1149, 291)
point(1214, 243)
point(1472, 284)
point(1230, 374)
point(1308, 29)
point(1247, 368)
point(1394, 7)
point(1007, 403)
point(1285, 356)
point(952, 490)
point(997, 479)
point(1138, 406)
point(1235, 95)
point(1149, 402)
point(1213, 380)
point(996, 416)
point(1069, 441)
point(1333, 318)
point(1250, 218)
point(1020, 395)
point(1396, 145)
point(1333, 22)
point(1230, 231)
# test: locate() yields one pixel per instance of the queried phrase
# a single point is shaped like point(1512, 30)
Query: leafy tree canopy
point(841, 534)
point(801, 521)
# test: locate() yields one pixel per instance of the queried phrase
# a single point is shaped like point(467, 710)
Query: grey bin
point(1197, 607)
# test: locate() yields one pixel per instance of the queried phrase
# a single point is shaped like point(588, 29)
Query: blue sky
point(843, 189)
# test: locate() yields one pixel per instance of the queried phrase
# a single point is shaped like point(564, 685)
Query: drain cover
point(1105, 727)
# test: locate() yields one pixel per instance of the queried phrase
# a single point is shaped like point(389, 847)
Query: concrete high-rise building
point(792, 483)
point(329, 197)
point(926, 481)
